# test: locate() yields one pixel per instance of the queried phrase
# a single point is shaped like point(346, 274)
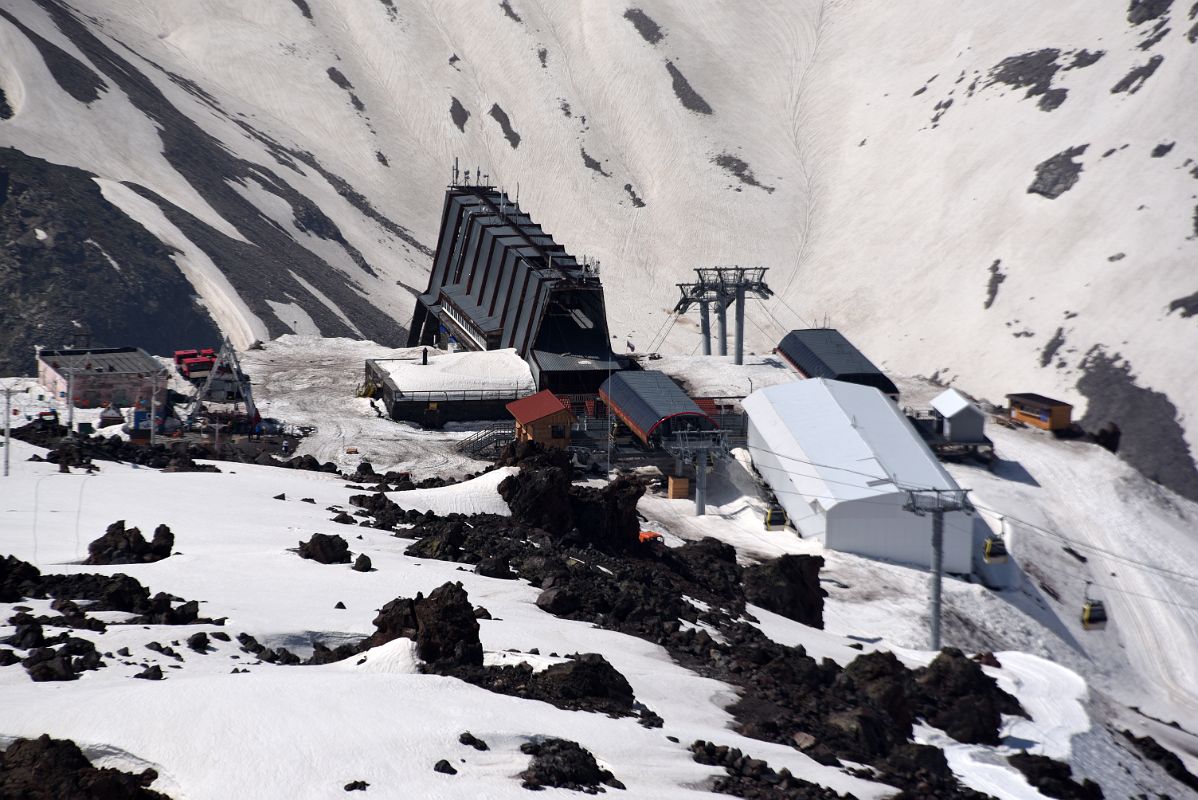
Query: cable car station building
point(499, 281)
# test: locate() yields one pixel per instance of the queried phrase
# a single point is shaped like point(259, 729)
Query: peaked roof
point(951, 402)
point(536, 406)
point(843, 441)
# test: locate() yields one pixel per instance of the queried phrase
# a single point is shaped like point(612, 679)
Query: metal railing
point(493, 436)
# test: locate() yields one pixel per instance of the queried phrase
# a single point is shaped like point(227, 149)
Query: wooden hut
point(1040, 411)
point(542, 418)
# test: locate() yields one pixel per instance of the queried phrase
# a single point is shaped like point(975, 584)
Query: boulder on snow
point(442, 624)
point(56, 769)
point(1054, 778)
point(121, 545)
point(788, 586)
point(362, 563)
point(444, 767)
point(325, 549)
point(955, 695)
point(470, 740)
point(565, 765)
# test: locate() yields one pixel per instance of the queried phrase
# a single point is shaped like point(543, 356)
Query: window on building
point(557, 431)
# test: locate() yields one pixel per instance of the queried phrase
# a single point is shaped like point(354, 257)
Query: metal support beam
point(937, 574)
point(7, 426)
point(937, 502)
point(723, 286)
point(721, 319)
point(740, 322)
point(700, 449)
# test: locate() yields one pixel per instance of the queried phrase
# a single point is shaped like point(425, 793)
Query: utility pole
point(70, 400)
point(937, 502)
point(7, 426)
point(723, 286)
point(154, 409)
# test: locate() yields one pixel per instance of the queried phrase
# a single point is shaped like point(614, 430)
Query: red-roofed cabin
point(542, 418)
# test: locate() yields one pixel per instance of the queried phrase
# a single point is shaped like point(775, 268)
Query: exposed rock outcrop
point(56, 769)
point(121, 545)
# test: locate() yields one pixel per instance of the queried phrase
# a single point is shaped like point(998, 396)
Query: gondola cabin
point(995, 551)
point(775, 518)
point(1094, 615)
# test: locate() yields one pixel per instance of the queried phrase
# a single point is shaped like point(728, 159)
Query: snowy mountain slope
point(306, 731)
point(293, 153)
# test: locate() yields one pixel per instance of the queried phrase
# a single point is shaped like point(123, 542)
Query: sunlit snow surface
point(306, 731)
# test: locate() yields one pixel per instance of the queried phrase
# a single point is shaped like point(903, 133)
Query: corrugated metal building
point(652, 405)
point(838, 457)
point(498, 280)
point(122, 376)
point(826, 353)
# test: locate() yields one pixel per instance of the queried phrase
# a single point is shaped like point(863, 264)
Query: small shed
point(959, 420)
point(1040, 411)
point(542, 418)
point(652, 405)
point(826, 353)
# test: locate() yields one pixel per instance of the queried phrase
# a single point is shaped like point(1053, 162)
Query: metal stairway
point(491, 438)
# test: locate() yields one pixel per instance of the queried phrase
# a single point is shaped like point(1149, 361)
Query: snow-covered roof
point(950, 402)
point(479, 370)
point(843, 441)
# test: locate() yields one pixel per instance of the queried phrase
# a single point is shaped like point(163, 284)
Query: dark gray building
point(498, 281)
point(825, 353)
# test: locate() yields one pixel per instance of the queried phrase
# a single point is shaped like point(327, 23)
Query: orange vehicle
point(650, 536)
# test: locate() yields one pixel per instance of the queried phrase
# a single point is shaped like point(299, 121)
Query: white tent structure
point(839, 457)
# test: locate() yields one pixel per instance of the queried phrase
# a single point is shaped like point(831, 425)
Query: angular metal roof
point(536, 406)
point(826, 353)
point(843, 441)
point(125, 360)
point(647, 399)
point(950, 402)
point(1038, 400)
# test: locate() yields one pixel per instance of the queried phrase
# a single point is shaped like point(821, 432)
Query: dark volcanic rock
point(1151, 436)
point(199, 642)
point(565, 765)
point(356, 786)
point(686, 94)
point(326, 549)
point(442, 624)
point(649, 30)
point(1141, 11)
point(956, 696)
point(509, 133)
point(1172, 764)
point(444, 767)
point(1057, 175)
point(788, 586)
point(119, 545)
point(470, 740)
point(56, 769)
point(151, 673)
point(751, 777)
point(1132, 81)
point(48, 283)
point(362, 563)
point(1053, 778)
